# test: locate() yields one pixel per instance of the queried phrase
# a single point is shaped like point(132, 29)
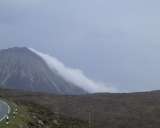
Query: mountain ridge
point(20, 68)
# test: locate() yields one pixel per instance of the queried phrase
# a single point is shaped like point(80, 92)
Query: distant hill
point(22, 69)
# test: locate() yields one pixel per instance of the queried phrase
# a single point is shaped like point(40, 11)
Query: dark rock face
point(22, 69)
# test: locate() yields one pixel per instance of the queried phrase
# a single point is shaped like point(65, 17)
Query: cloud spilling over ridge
point(74, 76)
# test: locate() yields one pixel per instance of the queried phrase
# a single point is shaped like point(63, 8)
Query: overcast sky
point(114, 41)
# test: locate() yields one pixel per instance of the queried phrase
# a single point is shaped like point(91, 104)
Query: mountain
point(22, 69)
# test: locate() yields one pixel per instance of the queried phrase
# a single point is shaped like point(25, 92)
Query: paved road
point(4, 110)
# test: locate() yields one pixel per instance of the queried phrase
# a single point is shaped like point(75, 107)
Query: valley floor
point(36, 116)
point(134, 110)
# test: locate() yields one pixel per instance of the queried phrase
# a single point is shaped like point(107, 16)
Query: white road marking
point(8, 111)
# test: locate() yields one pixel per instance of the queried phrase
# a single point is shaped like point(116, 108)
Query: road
point(4, 110)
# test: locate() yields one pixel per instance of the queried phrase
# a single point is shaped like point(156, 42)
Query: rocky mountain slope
point(20, 68)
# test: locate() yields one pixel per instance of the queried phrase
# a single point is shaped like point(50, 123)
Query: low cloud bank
point(75, 76)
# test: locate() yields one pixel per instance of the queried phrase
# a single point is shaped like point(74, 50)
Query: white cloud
point(74, 76)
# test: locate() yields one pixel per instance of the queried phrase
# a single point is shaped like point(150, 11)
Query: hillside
point(31, 115)
point(135, 110)
point(22, 69)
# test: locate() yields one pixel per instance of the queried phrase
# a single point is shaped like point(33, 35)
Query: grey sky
point(115, 41)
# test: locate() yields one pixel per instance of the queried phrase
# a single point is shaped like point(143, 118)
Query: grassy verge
point(19, 120)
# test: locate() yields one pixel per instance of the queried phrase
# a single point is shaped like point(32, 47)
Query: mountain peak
point(22, 49)
point(20, 68)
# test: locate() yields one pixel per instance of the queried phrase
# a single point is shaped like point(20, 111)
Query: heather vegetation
point(135, 110)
